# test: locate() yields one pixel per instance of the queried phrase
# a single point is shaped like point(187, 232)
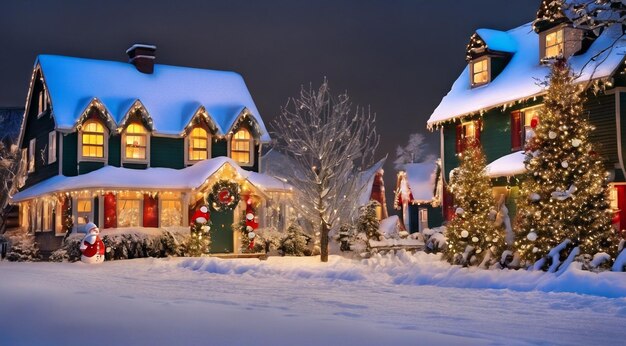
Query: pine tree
point(368, 221)
point(471, 232)
point(200, 239)
point(564, 195)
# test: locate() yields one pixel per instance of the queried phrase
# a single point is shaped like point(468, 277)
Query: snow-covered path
point(287, 301)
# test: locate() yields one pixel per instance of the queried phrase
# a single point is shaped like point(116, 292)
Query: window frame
point(105, 142)
point(544, 42)
point(165, 200)
point(188, 143)
point(120, 199)
point(250, 151)
point(487, 70)
point(52, 147)
point(88, 214)
point(42, 103)
point(124, 145)
point(461, 138)
point(32, 147)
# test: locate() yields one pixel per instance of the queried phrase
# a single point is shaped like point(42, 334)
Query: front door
point(221, 231)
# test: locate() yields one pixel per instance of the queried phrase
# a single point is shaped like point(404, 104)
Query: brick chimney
point(142, 56)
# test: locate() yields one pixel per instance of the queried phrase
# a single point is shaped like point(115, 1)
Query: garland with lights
point(200, 239)
point(224, 195)
point(564, 194)
point(472, 235)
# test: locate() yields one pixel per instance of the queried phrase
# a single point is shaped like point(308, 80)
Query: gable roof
point(497, 40)
point(171, 94)
point(110, 177)
point(519, 79)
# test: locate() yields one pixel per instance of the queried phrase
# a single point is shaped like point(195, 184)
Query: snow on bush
point(22, 247)
point(295, 242)
point(435, 239)
point(128, 243)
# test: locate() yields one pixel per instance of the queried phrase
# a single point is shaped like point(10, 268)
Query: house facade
point(497, 98)
point(418, 195)
point(138, 144)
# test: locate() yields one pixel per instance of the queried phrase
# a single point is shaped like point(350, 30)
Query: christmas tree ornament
point(475, 239)
point(552, 135)
point(464, 234)
point(91, 247)
point(576, 142)
point(564, 164)
point(532, 236)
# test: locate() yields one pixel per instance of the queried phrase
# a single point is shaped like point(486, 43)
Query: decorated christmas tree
point(564, 195)
point(471, 233)
point(200, 236)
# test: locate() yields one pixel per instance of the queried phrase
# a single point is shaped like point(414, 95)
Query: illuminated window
point(92, 139)
point(467, 134)
point(83, 211)
point(554, 44)
point(31, 155)
point(171, 213)
point(129, 212)
point(42, 103)
point(480, 72)
point(530, 116)
point(135, 141)
point(241, 147)
point(198, 144)
point(52, 147)
point(58, 218)
point(613, 198)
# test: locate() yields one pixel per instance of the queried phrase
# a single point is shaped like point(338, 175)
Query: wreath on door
point(224, 195)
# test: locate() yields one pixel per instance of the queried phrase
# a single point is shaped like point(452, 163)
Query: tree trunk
point(324, 242)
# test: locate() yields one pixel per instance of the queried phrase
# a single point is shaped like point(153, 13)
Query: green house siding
point(85, 167)
point(70, 154)
point(601, 112)
point(219, 148)
point(167, 152)
point(435, 216)
point(115, 150)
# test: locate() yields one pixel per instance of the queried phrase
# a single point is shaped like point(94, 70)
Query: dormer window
point(198, 142)
point(42, 103)
point(554, 43)
point(135, 141)
point(241, 147)
point(93, 141)
point(479, 71)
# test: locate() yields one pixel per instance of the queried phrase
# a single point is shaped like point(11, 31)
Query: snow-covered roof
point(422, 180)
point(507, 166)
point(366, 181)
point(519, 79)
point(171, 95)
point(110, 177)
point(498, 40)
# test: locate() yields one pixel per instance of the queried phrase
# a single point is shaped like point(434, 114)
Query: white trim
point(141, 45)
point(618, 127)
point(442, 154)
point(52, 150)
point(209, 147)
point(123, 158)
point(229, 138)
point(60, 156)
point(471, 70)
point(32, 147)
point(105, 143)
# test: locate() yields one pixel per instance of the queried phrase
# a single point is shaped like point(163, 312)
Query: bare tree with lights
point(564, 197)
point(413, 151)
point(329, 142)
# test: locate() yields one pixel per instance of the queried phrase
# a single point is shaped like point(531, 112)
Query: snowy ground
point(292, 301)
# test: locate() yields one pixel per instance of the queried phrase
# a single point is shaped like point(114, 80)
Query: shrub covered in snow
point(128, 243)
point(435, 239)
point(22, 247)
point(295, 242)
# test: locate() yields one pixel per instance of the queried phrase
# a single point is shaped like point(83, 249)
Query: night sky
point(399, 57)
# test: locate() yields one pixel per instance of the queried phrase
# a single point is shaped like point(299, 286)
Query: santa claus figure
point(201, 215)
point(92, 247)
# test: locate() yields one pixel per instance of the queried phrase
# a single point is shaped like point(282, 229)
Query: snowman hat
point(89, 227)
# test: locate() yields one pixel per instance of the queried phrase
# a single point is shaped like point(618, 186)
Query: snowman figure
point(91, 247)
